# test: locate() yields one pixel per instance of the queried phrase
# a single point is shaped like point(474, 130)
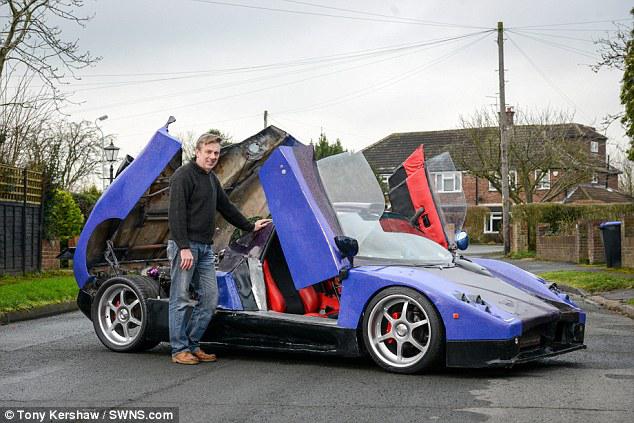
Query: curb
point(36, 313)
point(613, 305)
point(598, 300)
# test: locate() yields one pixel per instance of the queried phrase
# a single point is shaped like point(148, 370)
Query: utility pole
point(266, 119)
point(504, 154)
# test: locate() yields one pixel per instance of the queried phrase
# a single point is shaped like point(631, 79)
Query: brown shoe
point(203, 356)
point(185, 357)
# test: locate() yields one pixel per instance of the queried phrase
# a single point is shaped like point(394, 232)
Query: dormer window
point(594, 146)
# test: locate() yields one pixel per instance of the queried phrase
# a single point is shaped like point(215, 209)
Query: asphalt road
point(59, 362)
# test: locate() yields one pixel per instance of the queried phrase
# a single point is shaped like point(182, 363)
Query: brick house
point(388, 153)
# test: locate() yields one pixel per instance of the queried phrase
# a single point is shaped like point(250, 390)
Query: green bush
point(64, 219)
point(86, 199)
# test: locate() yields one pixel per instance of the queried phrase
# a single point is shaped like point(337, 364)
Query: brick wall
point(627, 242)
point(595, 242)
point(555, 247)
point(50, 250)
point(582, 242)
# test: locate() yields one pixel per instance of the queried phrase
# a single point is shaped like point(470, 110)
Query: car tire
point(120, 314)
point(409, 342)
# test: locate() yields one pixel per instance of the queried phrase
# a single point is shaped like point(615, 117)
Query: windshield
point(359, 203)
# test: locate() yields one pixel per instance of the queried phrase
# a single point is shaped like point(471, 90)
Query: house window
point(595, 178)
point(384, 178)
point(493, 223)
point(594, 146)
point(544, 182)
point(447, 181)
point(512, 180)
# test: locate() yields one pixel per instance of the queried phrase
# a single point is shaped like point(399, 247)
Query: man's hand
point(259, 224)
point(187, 259)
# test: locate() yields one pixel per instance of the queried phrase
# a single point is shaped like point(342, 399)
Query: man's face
point(207, 156)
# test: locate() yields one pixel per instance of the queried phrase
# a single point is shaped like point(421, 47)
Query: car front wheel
point(402, 331)
point(120, 315)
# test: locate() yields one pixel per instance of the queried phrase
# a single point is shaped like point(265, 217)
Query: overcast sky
point(401, 65)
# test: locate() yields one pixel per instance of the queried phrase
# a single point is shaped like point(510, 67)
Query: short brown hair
point(205, 139)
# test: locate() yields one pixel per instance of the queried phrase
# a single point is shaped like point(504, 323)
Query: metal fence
point(20, 220)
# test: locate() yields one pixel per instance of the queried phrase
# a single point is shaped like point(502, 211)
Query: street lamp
point(111, 156)
point(103, 151)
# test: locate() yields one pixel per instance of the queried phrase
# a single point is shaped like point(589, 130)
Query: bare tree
point(613, 49)
point(538, 142)
point(67, 152)
point(23, 115)
point(617, 52)
point(31, 39)
point(188, 144)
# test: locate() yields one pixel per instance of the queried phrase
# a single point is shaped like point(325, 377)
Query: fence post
point(40, 231)
point(24, 198)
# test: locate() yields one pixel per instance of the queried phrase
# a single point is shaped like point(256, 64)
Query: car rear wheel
point(402, 331)
point(120, 314)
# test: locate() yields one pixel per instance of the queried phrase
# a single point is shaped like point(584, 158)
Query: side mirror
point(349, 247)
point(462, 240)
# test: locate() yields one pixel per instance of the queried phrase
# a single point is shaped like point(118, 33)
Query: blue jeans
point(189, 315)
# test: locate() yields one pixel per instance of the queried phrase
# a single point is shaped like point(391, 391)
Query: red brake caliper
point(395, 315)
point(116, 304)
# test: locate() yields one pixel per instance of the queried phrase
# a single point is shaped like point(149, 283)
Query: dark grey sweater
point(195, 195)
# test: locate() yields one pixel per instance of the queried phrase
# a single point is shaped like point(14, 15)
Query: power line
point(328, 15)
point(300, 61)
point(385, 83)
point(544, 76)
point(280, 86)
point(571, 23)
point(548, 34)
point(556, 45)
point(340, 57)
point(383, 16)
point(226, 85)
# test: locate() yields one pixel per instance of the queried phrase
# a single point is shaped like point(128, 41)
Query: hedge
point(562, 217)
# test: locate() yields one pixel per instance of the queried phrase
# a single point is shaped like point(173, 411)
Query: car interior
point(320, 300)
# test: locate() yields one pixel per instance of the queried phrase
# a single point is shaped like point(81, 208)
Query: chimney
point(509, 115)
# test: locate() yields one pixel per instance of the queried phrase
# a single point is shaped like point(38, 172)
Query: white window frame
point(439, 179)
point(594, 146)
point(385, 177)
point(595, 178)
point(512, 180)
point(488, 222)
point(544, 183)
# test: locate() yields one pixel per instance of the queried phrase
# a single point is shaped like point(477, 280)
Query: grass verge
point(30, 291)
point(590, 281)
point(522, 254)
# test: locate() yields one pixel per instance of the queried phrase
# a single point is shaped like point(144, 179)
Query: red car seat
point(311, 300)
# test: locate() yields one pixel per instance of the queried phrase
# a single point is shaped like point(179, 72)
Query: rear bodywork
point(493, 314)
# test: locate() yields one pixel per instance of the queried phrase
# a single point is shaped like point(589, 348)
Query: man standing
point(195, 195)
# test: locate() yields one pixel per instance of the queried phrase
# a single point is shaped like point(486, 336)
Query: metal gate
point(20, 220)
